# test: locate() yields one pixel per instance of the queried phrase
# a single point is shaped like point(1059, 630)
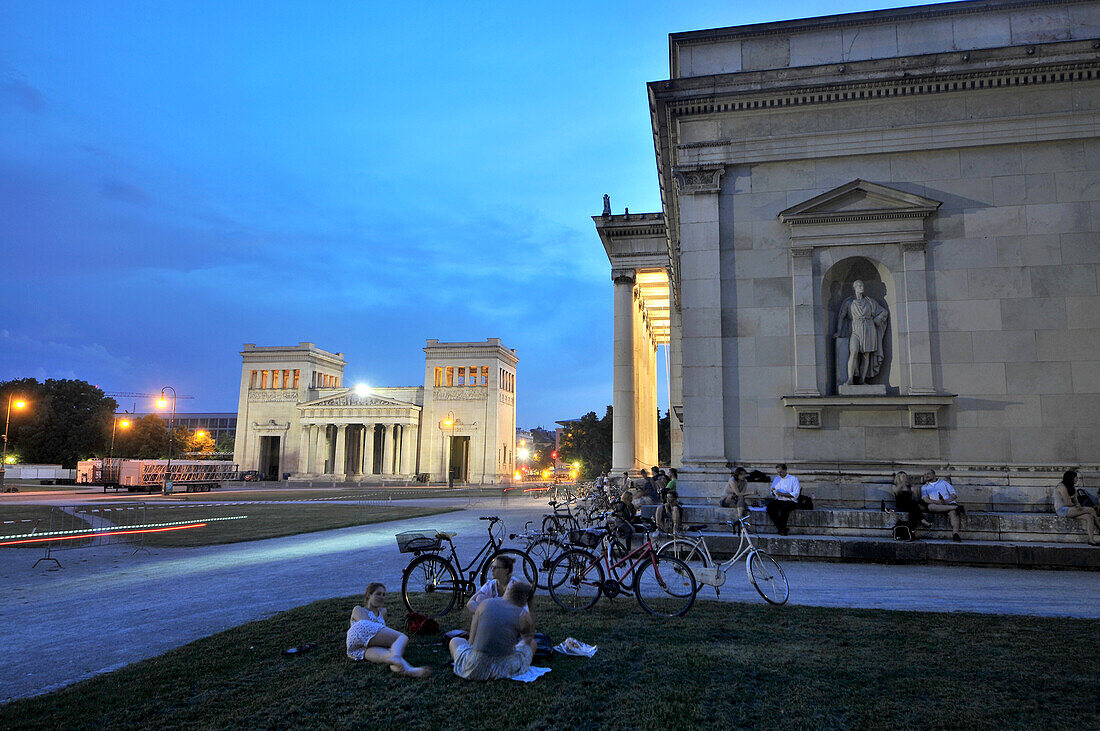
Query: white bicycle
point(764, 572)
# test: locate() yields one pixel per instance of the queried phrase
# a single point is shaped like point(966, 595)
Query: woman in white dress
point(1068, 505)
point(370, 639)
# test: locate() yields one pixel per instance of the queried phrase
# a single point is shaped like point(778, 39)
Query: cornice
point(901, 86)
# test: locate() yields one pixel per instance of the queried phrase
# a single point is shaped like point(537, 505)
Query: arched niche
point(836, 288)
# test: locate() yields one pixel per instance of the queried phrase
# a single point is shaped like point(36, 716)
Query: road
point(106, 608)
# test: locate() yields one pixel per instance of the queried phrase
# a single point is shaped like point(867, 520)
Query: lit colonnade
point(349, 446)
point(638, 252)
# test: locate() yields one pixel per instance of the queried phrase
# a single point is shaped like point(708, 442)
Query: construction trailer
point(148, 475)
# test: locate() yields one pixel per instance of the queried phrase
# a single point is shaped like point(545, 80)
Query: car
point(251, 476)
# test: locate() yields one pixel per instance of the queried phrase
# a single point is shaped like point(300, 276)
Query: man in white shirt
point(785, 491)
point(939, 496)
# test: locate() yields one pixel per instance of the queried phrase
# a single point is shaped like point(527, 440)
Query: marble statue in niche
point(862, 321)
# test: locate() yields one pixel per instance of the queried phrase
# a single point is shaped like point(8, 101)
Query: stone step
point(976, 525)
point(870, 550)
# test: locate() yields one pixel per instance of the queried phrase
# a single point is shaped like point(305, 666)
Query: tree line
point(588, 440)
point(67, 420)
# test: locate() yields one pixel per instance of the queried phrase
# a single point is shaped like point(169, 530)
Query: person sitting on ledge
point(908, 505)
point(370, 639)
point(502, 638)
point(1067, 503)
point(646, 493)
point(785, 491)
point(737, 492)
point(939, 496)
point(621, 520)
point(501, 570)
point(669, 513)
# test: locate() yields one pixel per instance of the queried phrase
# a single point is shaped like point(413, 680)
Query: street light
point(162, 402)
point(115, 423)
point(19, 404)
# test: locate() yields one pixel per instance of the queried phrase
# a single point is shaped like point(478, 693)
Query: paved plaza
point(106, 608)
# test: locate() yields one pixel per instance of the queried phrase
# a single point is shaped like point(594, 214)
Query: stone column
point(316, 453)
point(303, 451)
point(384, 450)
point(645, 391)
point(339, 466)
point(675, 386)
point(368, 453)
point(805, 347)
point(623, 396)
point(408, 449)
point(701, 315)
point(917, 340)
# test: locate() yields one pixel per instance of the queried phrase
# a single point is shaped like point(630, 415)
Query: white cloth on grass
point(531, 675)
point(571, 646)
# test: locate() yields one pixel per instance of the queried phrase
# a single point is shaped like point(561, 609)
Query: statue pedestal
point(862, 389)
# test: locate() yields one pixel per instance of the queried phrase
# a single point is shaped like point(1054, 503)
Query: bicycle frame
point(492, 545)
point(642, 552)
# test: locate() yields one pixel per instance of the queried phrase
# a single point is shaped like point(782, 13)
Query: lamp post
point(162, 402)
point(125, 424)
point(19, 404)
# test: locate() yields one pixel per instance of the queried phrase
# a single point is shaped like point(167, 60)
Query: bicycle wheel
point(688, 552)
point(665, 586)
point(559, 524)
point(433, 583)
point(544, 551)
point(576, 580)
point(522, 566)
point(767, 576)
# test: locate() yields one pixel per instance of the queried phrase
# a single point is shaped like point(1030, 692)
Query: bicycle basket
point(586, 537)
point(417, 540)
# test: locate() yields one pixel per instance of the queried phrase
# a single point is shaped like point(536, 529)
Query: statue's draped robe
point(868, 326)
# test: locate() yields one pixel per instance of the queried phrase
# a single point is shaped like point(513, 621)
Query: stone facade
point(949, 156)
point(296, 417)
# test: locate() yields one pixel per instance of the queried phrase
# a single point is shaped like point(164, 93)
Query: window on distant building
point(252, 383)
point(263, 379)
point(438, 376)
point(484, 375)
point(297, 374)
point(450, 375)
point(461, 376)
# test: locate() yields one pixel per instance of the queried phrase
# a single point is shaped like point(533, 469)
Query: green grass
point(722, 665)
point(350, 493)
point(270, 521)
point(42, 513)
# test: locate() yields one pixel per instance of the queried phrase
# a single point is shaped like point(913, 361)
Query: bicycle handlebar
point(489, 517)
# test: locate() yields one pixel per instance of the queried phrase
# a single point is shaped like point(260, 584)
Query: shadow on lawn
point(722, 665)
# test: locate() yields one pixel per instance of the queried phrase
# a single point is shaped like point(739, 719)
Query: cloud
point(23, 94)
point(120, 190)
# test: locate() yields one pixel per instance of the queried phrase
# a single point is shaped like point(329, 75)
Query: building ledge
point(923, 408)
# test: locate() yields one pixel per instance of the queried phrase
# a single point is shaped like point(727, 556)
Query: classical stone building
point(947, 157)
point(296, 416)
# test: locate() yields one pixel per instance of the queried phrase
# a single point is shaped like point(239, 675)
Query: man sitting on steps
point(939, 496)
point(785, 492)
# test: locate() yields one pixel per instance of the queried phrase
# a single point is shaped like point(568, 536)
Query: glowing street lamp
point(19, 404)
point(115, 424)
point(162, 402)
point(448, 422)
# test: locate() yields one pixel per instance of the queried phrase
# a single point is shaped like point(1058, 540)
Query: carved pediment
point(351, 398)
point(859, 200)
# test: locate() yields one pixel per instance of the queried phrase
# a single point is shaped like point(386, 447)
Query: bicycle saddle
point(445, 534)
point(694, 526)
point(489, 517)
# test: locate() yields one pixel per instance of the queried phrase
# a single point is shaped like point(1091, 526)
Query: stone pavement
point(107, 609)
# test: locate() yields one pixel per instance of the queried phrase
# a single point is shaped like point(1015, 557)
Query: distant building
point(299, 418)
point(216, 424)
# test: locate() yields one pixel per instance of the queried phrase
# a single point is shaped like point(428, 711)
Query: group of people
point(499, 645)
point(782, 499)
point(936, 495)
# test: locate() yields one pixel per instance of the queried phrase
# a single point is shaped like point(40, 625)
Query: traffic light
point(554, 455)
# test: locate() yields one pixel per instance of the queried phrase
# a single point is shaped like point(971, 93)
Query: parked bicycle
point(764, 572)
point(561, 521)
point(432, 583)
point(542, 548)
point(662, 585)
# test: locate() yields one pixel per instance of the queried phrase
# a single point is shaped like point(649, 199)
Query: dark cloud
point(23, 94)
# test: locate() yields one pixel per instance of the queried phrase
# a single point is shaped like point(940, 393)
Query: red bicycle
point(663, 585)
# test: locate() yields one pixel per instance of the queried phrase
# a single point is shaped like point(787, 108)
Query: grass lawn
point(270, 521)
point(722, 665)
point(351, 493)
point(41, 513)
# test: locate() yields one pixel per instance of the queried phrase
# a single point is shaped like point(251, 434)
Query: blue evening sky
point(180, 178)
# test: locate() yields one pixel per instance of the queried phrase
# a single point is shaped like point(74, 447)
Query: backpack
point(543, 648)
point(1084, 499)
point(903, 532)
point(418, 624)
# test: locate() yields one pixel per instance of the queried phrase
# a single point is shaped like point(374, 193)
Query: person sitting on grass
point(669, 513)
point(501, 570)
point(370, 639)
point(939, 496)
point(502, 638)
point(1068, 505)
point(737, 492)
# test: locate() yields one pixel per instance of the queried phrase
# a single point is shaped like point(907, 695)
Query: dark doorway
point(378, 434)
point(269, 458)
point(460, 458)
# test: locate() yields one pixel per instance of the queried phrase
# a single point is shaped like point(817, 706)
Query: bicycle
point(559, 523)
point(578, 578)
point(542, 548)
point(764, 572)
point(437, 581)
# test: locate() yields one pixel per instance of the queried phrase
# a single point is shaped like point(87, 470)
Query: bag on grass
point(543, 647)
point(418, 624)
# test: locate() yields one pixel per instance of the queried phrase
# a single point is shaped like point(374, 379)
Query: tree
point(199, 443)
point(65, 420)
point(588, 441)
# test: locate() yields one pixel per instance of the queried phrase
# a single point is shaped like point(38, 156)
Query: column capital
point(623, 276)
point(698, 179)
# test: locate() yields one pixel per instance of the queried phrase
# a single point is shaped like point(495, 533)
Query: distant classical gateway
point(945, 156)
point(298, 419)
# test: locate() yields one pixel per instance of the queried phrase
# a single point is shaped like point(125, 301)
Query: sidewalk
point(106, 609)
